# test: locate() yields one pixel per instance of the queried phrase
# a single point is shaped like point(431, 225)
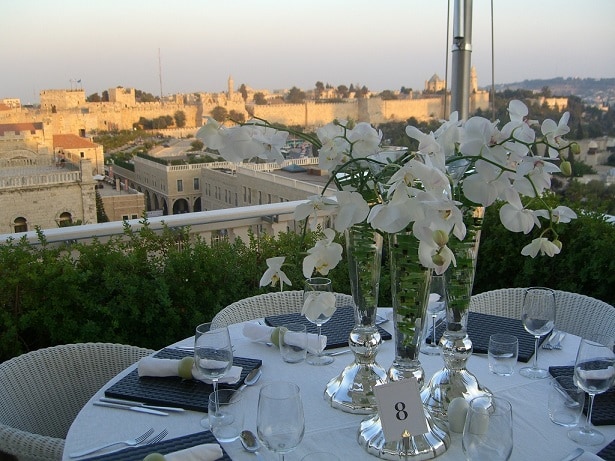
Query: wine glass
point(280, 424)
point(488, 429)
point(435, 307)
point(213, 356)
point(318, 308)
point(538, 317)
point(594, 372)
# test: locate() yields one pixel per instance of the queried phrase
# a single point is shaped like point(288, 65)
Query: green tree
point(295, 96)
point(219, 114)
point(94, 97)
point(244, 91)
point(237, 116)
point(259, 99)
point(388, 95)
point(320, 88)
point(101, 215)
point(180, 119)
point(197, 145)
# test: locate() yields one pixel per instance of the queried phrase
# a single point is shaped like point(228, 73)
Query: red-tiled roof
point(71, 141)
point(27, 126)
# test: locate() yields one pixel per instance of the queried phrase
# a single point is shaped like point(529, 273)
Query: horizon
point(192, 47)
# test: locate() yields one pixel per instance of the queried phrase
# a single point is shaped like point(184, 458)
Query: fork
point(157, 438)
point(130, 442)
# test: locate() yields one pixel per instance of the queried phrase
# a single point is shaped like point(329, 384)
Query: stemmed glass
point(318, 308)
point(538, 317)
point(280, 424)
point(435, 307)
point(213, 356)
point(594, 372)
point(488, 429)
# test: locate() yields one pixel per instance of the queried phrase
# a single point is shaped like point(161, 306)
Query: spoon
point(251, 378)
point(249, 443)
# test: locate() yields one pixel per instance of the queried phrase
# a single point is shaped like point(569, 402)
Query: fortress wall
point(321, 114)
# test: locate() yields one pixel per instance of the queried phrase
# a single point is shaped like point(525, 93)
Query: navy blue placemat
point(165, 447)
point(337, 329)
point(603, 412)
point(608, 452)
point(173, 390)
point(481, 326)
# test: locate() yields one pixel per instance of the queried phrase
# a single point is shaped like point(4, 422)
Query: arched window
point(66, 219)
point(20, 224)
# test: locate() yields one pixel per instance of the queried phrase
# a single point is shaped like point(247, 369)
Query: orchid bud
point(566, 168)
point(557, 243)
point(575, 149)
point(438, 259)
point(440, 237)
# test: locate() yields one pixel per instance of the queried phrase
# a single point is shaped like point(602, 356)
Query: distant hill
point(585, 88)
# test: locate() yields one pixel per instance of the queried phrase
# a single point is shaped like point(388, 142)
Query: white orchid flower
point(518, 219)
point(272, 141)
point(540, 245)
point(396, 214)
point(311, 208)
point(274, 273)
point(353, 209)
point(365, 140)
point(317, 304)
point(563, 214)
point(534, 176)
point(212, 134)
point(433, 253)
point(477, 135)
point(554, 132)
point(323, 256)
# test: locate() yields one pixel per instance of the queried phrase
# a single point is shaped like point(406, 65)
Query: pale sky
point(272, 44)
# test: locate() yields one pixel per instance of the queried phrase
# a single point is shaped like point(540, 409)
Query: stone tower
point(231, 85)
point(473, 80)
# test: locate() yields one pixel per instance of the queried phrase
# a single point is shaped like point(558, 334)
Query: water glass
point(502, 353)
point(566, 401)
point(293, 342)
point(488, 433)
point(226, 414)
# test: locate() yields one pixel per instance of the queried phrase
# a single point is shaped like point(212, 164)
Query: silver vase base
point(352, 391)
point(446, 385)
point(418, 447)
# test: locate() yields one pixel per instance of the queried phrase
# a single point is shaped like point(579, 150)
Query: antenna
point(160, 73)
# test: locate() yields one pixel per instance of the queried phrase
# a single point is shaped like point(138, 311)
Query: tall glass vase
point(410, 283)
point(454, 380)
point(352, 390)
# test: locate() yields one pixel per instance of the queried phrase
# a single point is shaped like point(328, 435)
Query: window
point(66, 219)
point(195, 184)
point(180, 185)
point(82, 154)
point(20, 224)
point(124, 217)
point(134, 216)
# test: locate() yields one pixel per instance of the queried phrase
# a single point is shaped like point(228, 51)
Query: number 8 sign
point(400, 409)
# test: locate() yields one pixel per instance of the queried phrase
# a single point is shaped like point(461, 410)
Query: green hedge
point(151, 290)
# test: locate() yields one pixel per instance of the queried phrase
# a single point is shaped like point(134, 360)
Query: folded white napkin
point(204, 452)
point(152, 366)
point(262, 333)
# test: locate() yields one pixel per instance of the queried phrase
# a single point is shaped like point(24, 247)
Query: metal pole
point(461, 59)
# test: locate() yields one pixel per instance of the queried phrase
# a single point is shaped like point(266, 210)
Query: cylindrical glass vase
point(352, 390)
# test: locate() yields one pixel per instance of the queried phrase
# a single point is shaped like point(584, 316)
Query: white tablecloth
point(327, 429)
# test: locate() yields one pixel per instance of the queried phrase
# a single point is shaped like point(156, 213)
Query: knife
point(132, 403)
point(126, 407)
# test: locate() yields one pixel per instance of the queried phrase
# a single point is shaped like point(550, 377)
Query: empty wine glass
point(488, 429)
point(318, 308)
point(213, 356)
point(594, 372)
point(280, 424)
point(538, 317)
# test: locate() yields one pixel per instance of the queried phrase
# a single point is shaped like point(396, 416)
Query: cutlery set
point(555, 340)
point(137, 441)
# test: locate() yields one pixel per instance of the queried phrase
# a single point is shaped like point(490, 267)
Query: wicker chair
point(576, 314)
point(276, 303)
point(42, 391)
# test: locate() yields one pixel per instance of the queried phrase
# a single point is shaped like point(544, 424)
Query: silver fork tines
point(157, 438)
point(130, 442)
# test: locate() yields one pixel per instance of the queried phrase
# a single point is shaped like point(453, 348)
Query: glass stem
point(214, 383)
point(319, 351)
point(535, 364)
point(588, 421)
point(433, 329)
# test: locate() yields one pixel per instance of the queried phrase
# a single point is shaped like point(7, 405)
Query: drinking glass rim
point(283, 390)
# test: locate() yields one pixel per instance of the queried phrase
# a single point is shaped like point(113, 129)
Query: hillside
point(588, 89)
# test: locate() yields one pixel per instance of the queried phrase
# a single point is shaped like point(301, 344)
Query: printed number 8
point(401, 414)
